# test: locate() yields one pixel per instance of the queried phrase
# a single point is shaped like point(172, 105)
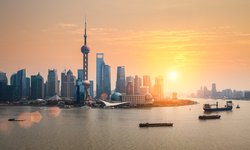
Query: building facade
point(3, 85)
point(138, 100)
point(21, 84)
point(158, 88)
point(52, 83)
point(147, 82)
point(37, 87)
point(103, 76)
point(68, 81)
point(120, 81)
point(137, 85)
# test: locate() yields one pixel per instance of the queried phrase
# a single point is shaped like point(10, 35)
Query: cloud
point(67, 25)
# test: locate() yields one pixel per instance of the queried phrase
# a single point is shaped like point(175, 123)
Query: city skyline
point(155, 39)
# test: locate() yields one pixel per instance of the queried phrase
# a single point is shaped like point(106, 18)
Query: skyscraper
point(3, 85)
point(158, 88)
point(147, 82)
point(37, 87)
point(103, 76)
point(21, 84)
point(107, 80)
point(129, 79)
point(99, 73)
point(214, 91)
point(52, 83)
point(67, 84)
point(130, 85)
point(27, 88)
point(3, 78)
point(137, 85)
point(91, 88)
point(80, 74)
point(13, 83)
point(130, 88)
point(120, 81)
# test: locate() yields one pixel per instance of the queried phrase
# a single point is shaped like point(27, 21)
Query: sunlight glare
point(172, 75)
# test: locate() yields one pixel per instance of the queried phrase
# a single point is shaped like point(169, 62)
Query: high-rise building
point(120, 81)
point(79, 91)
point(103, 76)
point(3, 78)
point(158, 88)
point(28, 88)
point(107, 80)
point(130, 85)
point(91, 88)
point(37, 87)
point(13, 83)
point(67, 85)
point(137, 85)
point(129, 79)
point(227, 93)
point(99, 73)
point(21, 84)
point(3, 85)
point(247, 95)
point(80, 74)
point(13, 79)
point(147, 82)
point(130, 88)
point(214, 91)
point(52, 83)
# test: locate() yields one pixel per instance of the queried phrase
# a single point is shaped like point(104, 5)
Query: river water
point(77, 128)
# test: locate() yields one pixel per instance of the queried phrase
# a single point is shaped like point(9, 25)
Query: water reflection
point(29, 119)
point(26, 119)
point(5, 128)
point(36, 117)
point(27, 123)
point(54, 112)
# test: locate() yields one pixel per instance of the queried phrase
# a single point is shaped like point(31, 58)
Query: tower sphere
point(85, 49)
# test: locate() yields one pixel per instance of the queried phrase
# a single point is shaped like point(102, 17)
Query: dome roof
point(116, 96)
point(69, 72)
point(149, 96)
point(85, 49)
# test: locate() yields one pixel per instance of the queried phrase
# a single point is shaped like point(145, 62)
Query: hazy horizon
point(204, 42)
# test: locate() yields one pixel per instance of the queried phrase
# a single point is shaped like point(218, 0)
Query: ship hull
point(209, 117)
point(218, 109)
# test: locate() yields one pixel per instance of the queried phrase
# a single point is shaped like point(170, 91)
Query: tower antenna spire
point(85, 33)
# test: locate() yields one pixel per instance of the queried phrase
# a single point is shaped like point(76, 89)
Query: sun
point(172, 75)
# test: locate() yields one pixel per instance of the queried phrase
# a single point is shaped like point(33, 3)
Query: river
point(51, 128)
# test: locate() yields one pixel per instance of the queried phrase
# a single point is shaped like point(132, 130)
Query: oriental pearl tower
point(85, 52)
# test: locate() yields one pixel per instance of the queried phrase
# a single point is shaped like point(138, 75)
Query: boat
point(209, 107)
point(155, 125)
point(13, 119)
point(204, 117)
point(238, 106)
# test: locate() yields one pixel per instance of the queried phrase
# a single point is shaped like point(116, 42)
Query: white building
point(138, 100)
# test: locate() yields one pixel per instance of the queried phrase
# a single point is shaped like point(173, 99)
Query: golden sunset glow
point(172, 75)
point(147, 39)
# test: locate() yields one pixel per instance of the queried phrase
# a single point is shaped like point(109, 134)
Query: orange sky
point(203, 41)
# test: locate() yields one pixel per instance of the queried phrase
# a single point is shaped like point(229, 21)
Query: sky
point(204, 42)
